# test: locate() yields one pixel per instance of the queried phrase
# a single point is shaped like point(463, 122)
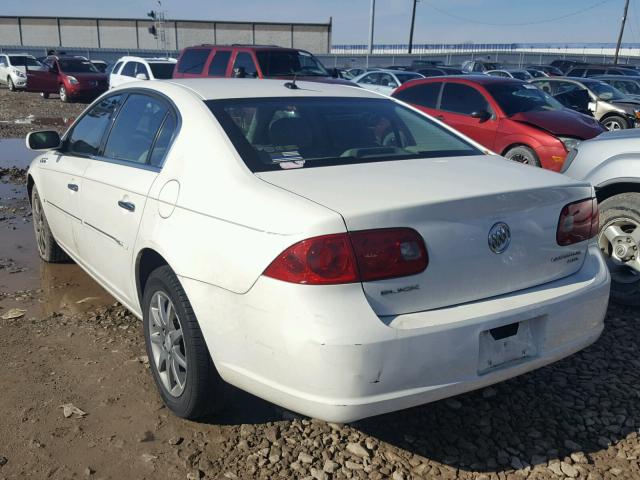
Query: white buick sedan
point(326, 248)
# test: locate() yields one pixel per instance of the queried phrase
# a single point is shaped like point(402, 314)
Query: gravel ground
point(23, 112)
point(71, 344)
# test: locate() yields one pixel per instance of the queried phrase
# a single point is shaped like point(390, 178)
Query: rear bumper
point(322, 352)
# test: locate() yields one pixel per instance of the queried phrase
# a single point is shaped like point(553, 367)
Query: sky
point(437, 21)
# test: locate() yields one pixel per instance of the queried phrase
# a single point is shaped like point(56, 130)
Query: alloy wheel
point(167, 344)
point(613, 125)
point(619, 240)
point(39, 227)
point(521, 158)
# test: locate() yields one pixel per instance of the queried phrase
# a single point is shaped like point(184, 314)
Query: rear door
point(424, 96)
point(4, 73)
point(62, 186)
point(458, 102)
point(44, 80)
point(117, 183)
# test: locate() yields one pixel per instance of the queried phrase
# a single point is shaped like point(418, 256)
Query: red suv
point(252, 61)
point(510, 117)
point(73, 78)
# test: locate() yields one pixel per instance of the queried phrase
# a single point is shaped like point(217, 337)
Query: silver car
point(611, 163)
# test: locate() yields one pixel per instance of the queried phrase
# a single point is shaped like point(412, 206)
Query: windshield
point(604, 91)
point(162, 70)
point(274, 63)
point(77, 66)
point(286, 133)
point(405, 77)
point(521, 75)
point(519, 98)
point(22, 60)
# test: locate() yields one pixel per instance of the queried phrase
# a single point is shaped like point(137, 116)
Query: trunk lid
point(453, 203)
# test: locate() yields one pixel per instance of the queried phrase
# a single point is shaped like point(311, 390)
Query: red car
point(252, 61)
point(73, 78)
point(510, 117)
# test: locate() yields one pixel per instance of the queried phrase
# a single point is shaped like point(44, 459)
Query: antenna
point(292, 85)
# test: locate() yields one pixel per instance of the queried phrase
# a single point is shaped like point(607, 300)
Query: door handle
point(72, 186)
point(128, 206)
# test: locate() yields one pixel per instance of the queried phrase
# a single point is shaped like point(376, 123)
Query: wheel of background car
point(182, 368)
point(619, 240)
point(48, 249)
point(523, 154)
point(44, 95)
point(63, 94)
point(615, 122)
point(12, 87)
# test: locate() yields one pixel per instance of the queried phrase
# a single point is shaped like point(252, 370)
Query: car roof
point(479, 79)
point(247, 46)
point(225, 88)
point(18, 54)
point(128, 58)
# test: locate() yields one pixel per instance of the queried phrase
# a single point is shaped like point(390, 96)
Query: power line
point(535, 22)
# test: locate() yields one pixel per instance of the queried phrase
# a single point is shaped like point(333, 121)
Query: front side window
point(77, 65)
point(218, 67)
point(193, 60)
point(141, 68)
point(135, 129)
point(3, 61)
point(244, 67)
point(23, 61)
point(577, 72)
point(387, 80)
point(87, 133)
point(425, 95)
point(116, 68)
point(625, 86)
point(272, 134)
point(463, 99)
point(370, 79)
point(604, 91)
point(274, 63)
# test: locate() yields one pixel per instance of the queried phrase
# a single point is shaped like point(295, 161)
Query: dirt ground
point(67, 344)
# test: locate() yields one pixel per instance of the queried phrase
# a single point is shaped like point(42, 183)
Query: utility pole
point(371, 24)
point(413, 22)
point(624, 20)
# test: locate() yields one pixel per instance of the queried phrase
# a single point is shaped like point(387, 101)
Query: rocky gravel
point(70, 349)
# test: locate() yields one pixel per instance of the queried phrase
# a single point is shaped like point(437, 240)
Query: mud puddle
point(42, 121)
point(14, 153)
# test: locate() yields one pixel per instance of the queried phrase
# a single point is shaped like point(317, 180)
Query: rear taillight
point(361, 256)
point(578, 221)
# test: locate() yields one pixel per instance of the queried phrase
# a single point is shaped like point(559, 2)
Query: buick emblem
point(499, 237)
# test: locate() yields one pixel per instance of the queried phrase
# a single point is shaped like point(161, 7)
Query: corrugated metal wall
point(73, 32)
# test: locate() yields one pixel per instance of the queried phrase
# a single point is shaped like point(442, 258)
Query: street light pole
point(413, 22)
point(371, 25)
point(624, 19)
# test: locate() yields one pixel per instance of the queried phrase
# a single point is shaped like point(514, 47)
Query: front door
point(43, 80)
point(458, 103)
point(63, 185)
point(117, 184)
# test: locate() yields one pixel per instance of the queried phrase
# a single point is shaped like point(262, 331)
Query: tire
point(10, 84)
point(615, 122)
point(203, 392)
point(622, 210)
point(64, 96)
point(522, 154)
point(44, 95)
point(48, 248)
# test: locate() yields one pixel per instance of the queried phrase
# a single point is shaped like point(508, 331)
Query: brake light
point(578, 221)
point(361, 256)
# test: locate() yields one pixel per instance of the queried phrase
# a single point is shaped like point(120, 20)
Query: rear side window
point(163, 141)
point(600, 71)
point(86, 136)
point(135, 129)
point(193, 60)
point(129, 69)
point(244, 66)
point(576, 72)
point(463, 99)
point(425, 95)
point(218, 66)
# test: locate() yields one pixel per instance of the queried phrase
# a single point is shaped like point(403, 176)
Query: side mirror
point(239, 72)
point(481, 115)
point(142, 76)
point(43, 140)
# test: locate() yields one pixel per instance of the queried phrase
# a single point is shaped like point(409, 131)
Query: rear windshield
point(162, 70)
point(23, 60)
point(285, 133)
point(77, 66)
point(274, 63)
